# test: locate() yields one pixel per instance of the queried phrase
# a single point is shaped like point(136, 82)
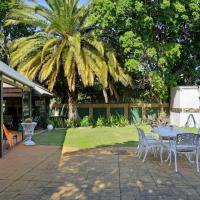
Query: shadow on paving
point(112, 173)
point(121, 144)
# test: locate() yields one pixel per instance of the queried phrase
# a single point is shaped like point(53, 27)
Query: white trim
point(12, 74)
point(6, 70)
point(41, 90)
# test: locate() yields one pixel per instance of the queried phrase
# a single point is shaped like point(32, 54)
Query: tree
point(9, 33)
point(157, 41)
point(65, 49)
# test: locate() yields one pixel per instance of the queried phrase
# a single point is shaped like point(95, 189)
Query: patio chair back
point(197, 139)
point(9, 137)
point(141, 134)
point(186, 139)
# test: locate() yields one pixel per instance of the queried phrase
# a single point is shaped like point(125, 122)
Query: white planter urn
point(28, 129)
point(50, 127)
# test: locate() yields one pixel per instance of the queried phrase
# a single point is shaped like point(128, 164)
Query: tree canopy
point(157, 41)
point(9, 33)
point(64, 47)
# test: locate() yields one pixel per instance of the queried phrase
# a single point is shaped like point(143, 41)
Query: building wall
point(185, 106)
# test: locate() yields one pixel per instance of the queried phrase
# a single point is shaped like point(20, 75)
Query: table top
point(167, 131)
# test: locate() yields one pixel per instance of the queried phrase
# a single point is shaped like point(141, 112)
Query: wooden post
point(30, 103)
point(126, 111)
point(143, 112)
point(90, 111)
point(1, 115)
point(108, 111)
point(161, 108)
point(22, 105)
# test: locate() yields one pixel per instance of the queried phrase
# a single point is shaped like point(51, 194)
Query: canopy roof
point(13, 75)
point(10, 77)
point(41, 90)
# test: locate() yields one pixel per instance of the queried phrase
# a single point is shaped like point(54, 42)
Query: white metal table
point(167, 131)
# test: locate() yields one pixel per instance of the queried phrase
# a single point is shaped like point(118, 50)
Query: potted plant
point(28, 129)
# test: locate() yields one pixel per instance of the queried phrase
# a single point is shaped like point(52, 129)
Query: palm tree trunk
point(72, 105)
point(105, 94)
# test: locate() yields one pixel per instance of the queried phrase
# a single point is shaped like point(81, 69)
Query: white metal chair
point(148, 143)
point(187, 144)
point(149, 137)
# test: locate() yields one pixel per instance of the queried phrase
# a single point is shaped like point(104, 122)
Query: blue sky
point(42, 1)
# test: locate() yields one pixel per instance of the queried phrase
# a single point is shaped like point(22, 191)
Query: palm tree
point(64, 44)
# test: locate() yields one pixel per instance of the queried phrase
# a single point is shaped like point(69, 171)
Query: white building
point(185, 106)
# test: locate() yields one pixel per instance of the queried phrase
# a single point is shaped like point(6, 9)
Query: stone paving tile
point(43, 173)
point(8, 195)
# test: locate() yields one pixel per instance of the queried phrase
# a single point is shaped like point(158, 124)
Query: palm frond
point(65, 40)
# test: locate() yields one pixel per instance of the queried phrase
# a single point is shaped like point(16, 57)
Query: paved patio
point(41, 173)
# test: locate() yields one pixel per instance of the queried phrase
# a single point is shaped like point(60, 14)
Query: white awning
point(41, 90)
point(12, 74)
point(5, 85)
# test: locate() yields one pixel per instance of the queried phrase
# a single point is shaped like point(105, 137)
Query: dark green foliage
point(157, 41)
point(101, 121)
point(11, 32)
point(58, 122)
point(99, 112)
point(28, 120)
point(136, 115)
point(152, 113)
point(82, 112)
point(117, 111)
point(86, 121)
point(62, 122)
point(117, 121)
point(73, 123)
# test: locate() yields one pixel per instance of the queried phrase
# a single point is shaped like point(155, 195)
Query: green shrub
point(57, 122)
point(73, 123)
point(62, 122)
point(135, 116)
point(28, 120)
point(111, 121)
point(121, 121)
point(117, 121)
point(86, 121)
point(100, 122)
point(163, 119)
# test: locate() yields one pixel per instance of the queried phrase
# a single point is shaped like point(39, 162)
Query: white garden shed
point(185, 106)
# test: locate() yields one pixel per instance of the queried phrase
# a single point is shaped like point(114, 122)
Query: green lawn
point(93, 137)
point(100, 137)
point(55, 137)
point(89, 137)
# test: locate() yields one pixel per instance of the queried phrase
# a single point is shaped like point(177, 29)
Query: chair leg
point(140, 151)
point(167, 157)
point(175, 157)
point(170, 158)
point(197, 160)
point(145, 155)
point(155, 152)
point(161, 152)
point(138, 147)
